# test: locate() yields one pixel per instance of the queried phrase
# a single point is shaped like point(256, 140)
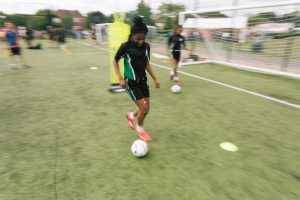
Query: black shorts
point(138, 89)
point(16, 51)
point(175, 55)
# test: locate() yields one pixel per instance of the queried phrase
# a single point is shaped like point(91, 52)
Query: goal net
point(261, 37)
point(102, 33)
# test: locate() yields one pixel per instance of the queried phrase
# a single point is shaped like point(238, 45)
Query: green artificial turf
point(64, 136)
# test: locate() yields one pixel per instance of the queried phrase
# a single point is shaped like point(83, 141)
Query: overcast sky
point(110, 6)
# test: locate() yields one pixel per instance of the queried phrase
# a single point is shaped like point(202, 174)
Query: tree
point(267, 17)
point(145, 11)
point(2, 18)
point(293, 17)
point(109, 19)
point(168, 25)
point(35, 22)
point(95, 17)
point(213, 15)
point(130, 16)
point(41, 20)
point(18, 19)
point(47, 16)
point(168, 14)
point(67, 22)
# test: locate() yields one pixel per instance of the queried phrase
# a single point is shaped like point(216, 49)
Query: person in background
point(29, 36)
point(12, 44)
point(176, 43)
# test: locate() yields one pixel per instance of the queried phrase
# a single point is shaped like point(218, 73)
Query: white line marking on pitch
point(216, 82)
point(156, 55)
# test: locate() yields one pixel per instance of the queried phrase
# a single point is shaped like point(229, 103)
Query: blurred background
point(227, 31)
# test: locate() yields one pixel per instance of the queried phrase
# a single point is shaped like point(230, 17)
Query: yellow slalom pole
point(118, 33)
point(67, 51)
point(5, 54)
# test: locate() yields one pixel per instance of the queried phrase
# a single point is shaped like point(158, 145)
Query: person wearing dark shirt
point(176, 43)
point(29, 36)
point(136, 54)
point(61, 36)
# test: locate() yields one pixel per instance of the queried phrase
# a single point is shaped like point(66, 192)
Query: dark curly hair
point(138, 26)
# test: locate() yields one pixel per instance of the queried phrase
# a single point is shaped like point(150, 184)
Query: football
point(139, 148)
point(176, 88)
